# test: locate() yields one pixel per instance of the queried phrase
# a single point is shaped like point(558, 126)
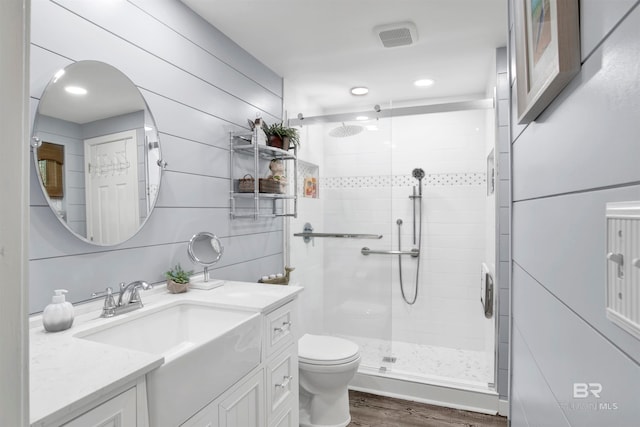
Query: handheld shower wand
point(418, 173)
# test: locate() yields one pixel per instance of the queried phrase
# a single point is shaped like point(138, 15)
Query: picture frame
point(547, 46)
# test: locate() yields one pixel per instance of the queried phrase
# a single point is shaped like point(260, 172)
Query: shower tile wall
point(366, 185)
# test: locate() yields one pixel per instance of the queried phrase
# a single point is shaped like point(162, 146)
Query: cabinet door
point(286, 420)
point(282, 382)
point(117, 412)
point(245, 405)
point(207, 417)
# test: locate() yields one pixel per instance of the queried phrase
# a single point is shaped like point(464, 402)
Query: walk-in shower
point(401, 224)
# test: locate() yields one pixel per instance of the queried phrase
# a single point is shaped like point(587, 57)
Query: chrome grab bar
point(413, 252)
point(340, 235)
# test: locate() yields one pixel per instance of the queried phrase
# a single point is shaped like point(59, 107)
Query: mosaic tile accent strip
point(376, 181)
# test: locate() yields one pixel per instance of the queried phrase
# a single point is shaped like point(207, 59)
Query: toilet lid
point(326, 350)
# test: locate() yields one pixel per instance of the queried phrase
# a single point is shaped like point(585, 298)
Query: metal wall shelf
point(245, 143)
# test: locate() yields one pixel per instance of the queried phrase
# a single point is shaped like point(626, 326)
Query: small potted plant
point(177, 280)
point(280, 136)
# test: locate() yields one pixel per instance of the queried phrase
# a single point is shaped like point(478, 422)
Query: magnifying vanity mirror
point(205, 249)
point(97, 153)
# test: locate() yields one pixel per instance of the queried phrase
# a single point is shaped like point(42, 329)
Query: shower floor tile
point(425, 361)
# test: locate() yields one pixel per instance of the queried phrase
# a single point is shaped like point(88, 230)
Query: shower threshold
point(461, 379)
point(467, 397)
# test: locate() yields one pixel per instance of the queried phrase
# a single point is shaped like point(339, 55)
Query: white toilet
point(326, 365)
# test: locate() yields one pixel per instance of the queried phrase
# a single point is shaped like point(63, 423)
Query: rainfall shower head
point(345, 131)
point(418, 173)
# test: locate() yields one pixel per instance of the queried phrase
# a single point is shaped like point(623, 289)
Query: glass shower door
point(354, 198)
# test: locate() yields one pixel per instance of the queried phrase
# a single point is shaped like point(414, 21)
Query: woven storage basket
point(245, 185)
point(271, 186)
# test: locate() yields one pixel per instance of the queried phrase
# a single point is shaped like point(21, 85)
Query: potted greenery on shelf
point(280, 136)
point(177, 280)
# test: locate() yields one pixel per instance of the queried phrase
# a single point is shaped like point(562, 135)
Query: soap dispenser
point(58, 315)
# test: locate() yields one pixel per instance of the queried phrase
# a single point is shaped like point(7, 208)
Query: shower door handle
point(413, 252)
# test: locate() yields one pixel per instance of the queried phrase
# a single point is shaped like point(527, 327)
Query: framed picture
point(547, 37)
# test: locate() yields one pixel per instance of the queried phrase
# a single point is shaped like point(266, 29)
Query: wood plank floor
point(368, 410)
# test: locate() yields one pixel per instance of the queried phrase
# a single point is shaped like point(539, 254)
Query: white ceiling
point(325, 47)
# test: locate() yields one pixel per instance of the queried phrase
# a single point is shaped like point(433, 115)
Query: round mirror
point(205, 249)
point(97, 152)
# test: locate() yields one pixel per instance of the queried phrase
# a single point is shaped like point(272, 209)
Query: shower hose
point(415, 292)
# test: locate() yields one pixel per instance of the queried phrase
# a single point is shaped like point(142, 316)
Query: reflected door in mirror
point(112, 187)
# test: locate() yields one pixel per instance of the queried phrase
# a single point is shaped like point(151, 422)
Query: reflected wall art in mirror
point(97, 153)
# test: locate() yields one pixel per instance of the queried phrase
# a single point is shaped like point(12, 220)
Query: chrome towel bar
point(412, 252)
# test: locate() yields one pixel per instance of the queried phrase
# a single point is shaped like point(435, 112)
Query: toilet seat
point(326, 350)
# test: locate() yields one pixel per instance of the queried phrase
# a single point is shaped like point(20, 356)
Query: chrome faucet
point(130, 294)
point(128, 300)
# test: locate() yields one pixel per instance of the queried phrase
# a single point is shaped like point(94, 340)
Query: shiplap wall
point(199, 86)
point(582, 152)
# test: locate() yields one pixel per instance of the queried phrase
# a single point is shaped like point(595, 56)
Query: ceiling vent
point(395, 35)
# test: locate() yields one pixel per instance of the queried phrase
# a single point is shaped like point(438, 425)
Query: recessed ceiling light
point(76, 90)
point(362, 118)
point(423, 82)
point(359, 90)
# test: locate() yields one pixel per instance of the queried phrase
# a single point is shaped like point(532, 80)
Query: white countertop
point(68, 372)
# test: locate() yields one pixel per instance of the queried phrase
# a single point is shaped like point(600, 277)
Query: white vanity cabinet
point(126, 409)
point(241, 405)
point(245, 374)
point(281, 368)
point(118, 411)
point(268, 396)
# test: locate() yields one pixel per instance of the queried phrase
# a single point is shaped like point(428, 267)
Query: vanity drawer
point(281, 327)
point(282, 383)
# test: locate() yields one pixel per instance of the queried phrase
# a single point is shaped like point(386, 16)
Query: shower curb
point(468, 399)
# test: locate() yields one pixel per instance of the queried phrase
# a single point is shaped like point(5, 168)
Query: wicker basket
point(268, 185)
point(265, 185)
point(246, 185)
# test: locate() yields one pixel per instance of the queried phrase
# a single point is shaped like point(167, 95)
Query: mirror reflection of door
point(112, 187)
point(50, 163)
